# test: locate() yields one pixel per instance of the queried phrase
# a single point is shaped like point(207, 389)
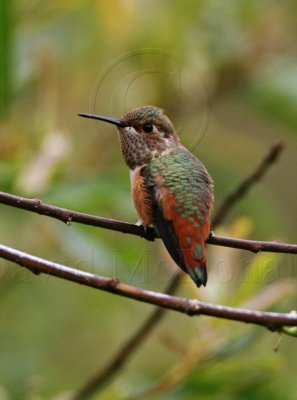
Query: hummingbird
point(171, 189)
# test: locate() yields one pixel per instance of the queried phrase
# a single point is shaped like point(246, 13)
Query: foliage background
point(226, 74)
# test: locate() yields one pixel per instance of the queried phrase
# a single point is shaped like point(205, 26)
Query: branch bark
point(271, 320)
point(253, 245)
point(67, 216)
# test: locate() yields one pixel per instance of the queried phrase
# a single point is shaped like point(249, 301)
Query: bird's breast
point(140, 196)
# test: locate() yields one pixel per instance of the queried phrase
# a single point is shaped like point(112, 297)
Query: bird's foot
point(150, 231)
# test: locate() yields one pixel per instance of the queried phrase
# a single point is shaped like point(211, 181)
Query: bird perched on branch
point(171, 188)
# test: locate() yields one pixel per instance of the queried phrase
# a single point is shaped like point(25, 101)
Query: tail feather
point(198, 274)
point(195, 260)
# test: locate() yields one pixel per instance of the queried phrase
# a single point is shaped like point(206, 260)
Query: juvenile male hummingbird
point(171, 188)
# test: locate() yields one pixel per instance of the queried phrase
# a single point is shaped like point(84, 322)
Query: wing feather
point(181, 204)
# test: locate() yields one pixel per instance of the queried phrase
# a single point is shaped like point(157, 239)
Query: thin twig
point(65, 215)
point(271, 320)
point(68, 216)
point(246, 184)
point(253, 245)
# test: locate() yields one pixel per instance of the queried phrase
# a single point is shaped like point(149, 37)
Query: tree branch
point(253, 245)
point(271, 320)
point(67, 216)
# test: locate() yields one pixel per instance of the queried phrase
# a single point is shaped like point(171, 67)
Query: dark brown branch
point(271, 320)
point(246, 184)
point(253, 245)
point(67, 216)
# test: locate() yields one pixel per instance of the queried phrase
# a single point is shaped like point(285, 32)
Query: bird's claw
point(150, 232)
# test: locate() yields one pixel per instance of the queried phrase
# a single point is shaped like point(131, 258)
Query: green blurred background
point(225, 72)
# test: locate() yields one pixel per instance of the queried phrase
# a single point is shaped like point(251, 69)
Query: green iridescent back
point(187, 180)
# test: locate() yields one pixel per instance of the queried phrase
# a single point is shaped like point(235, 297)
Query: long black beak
point(110, 120)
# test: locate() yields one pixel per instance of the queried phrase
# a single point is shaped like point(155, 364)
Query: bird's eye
point(148, 128)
